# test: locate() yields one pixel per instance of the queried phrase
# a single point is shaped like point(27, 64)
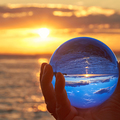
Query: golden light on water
point(42, 60)
point(42, 107)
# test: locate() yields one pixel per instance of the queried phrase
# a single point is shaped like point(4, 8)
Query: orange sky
point(19, 27)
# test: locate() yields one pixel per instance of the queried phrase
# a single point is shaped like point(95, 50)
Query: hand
point(59, 105)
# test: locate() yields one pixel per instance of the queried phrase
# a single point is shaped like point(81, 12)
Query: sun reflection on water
point(35, 107)
point(40, 61)
point(43, 60)
point(42, 107)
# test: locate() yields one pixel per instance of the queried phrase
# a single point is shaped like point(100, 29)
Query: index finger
point(41, 72)
point(47, 88)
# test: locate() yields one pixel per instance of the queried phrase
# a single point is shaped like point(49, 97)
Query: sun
point(43, 32)
point(87, 75)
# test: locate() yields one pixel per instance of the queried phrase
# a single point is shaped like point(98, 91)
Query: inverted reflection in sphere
point(90, 69)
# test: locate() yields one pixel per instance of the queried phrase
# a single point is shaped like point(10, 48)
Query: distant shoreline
point(2, 56)
point(23, 56)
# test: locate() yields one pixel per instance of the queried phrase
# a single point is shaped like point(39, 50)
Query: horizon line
point(39, 54)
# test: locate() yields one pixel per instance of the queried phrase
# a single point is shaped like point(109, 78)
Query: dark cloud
point(103, 90)
point(100, 81)
point(32, 16)
point(75, 84)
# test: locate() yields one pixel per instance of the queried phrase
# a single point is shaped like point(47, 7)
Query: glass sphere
point(90, 69)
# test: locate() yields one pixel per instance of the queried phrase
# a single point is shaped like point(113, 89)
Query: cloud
point(58, 16)
point(60, 13)
point(80, 11)
point(15, 15)
point(75, 84)
point(85, 11)
point(102, 90)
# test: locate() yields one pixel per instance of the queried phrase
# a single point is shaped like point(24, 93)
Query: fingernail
point(60, 82)
point(58, 76)
point(43, 66)
point(48, 69)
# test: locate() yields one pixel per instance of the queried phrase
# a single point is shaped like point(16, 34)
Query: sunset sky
point(21, 23)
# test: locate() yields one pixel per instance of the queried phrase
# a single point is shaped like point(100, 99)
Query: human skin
point(59, 105)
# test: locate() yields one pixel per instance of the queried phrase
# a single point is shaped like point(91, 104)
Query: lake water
point(20, 94)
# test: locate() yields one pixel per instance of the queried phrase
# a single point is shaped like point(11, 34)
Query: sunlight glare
point(43, 60)
point(87, 75)
point(42, 107)
point(43, 32)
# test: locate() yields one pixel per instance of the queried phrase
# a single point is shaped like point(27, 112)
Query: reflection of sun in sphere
point(90, 69)
point(43, 32)
point(87, 75)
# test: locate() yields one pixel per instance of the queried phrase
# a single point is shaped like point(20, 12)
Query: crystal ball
point(90, 69)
